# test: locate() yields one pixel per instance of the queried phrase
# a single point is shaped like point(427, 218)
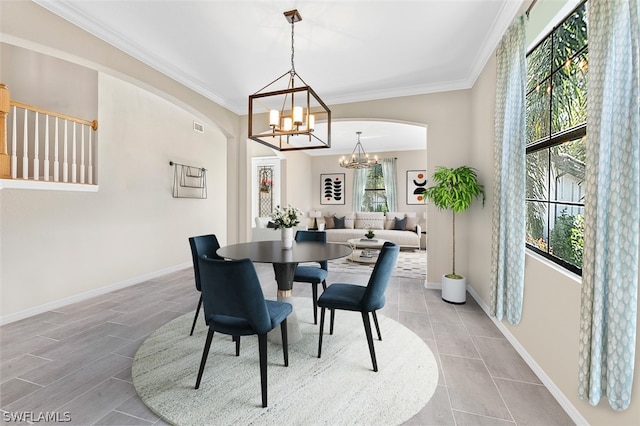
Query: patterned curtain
point(390, 183)
point(359, 182)
point(612, 206)
point(508, 236)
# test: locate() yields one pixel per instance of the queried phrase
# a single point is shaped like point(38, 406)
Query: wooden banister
point(5, 161)
point(93, 124)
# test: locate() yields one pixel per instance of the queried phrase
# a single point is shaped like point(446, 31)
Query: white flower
point(287, 217)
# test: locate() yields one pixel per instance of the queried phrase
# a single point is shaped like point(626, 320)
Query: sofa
point(400, 227)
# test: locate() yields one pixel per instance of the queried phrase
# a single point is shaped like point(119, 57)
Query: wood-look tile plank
point(88, 338)
point(471, 388)
point(74, 360)
point(479, 324)
point(418, 323)
point(503, 361)
point(532, 404)
point(115, 418)
point(77, 327)
point(19, 365)
point(437, 412)
point(99, 401)
point(469, 419)
point(412, 302)
point(136, 408)
point(66, 389)
point(14, 389)
point(32, 345)
point(443, 312)
point(147, 326)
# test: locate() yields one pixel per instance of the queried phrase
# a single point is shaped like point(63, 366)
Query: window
point(375, 196)
point(556, 130)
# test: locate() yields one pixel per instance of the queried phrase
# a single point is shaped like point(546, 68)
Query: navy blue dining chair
point(312, 274)
point(369, 299)
point(235, 305)
point(202, 245)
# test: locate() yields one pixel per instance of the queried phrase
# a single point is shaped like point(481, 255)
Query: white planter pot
point(454, 290)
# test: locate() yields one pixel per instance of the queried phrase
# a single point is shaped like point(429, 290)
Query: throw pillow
point(271, 224)
point(412, 222)
point(329, 223)
point(339, 222)
point(400, 224)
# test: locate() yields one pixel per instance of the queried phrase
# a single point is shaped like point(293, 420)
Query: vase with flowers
point(285, 219)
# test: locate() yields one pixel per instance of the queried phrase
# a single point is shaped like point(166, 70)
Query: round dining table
point(284, 263)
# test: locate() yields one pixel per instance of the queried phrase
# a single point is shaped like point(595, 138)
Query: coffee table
point(365, 250)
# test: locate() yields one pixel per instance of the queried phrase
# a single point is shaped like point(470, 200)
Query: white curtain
point(390, 183)
point(359, 182)
point(612, 206)
point(508, 236)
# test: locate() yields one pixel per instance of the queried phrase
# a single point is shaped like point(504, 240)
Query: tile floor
point(77, 359)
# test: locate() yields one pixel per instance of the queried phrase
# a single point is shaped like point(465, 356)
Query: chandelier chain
point(293, 67)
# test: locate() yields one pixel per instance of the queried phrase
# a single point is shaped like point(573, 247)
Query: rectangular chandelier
point(283, 115)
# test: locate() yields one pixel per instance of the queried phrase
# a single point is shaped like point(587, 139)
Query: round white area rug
point(339, 388)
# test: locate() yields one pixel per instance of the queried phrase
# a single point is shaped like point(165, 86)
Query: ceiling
point(349, 50)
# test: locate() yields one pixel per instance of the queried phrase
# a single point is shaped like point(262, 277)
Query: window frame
point(376, 189)
point(550, 140)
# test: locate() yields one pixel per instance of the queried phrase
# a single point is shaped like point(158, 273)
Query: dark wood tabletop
point(272, 252)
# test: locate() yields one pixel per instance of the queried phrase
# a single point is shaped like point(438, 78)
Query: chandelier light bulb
point(288, 124)
point(274, 118)
point(297, 115)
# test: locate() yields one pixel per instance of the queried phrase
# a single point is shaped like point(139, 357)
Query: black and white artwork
point(332, 188)
point(416, 184)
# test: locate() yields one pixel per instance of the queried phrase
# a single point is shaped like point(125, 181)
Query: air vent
point(198, 127)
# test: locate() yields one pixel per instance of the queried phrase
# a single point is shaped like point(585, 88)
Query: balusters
point(90, 160)
point(65, 157)
point(46, 148)
point(14, 147)
point(82, 155)
point(56, 162)
point(74, 172)
point(25, 147)
point(36, 150)
point(37, 146)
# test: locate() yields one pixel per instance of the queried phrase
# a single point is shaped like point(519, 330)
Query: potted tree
point(454, 189)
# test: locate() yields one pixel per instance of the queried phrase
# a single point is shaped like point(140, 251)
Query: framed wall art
point(416, 184)
point(332, 188)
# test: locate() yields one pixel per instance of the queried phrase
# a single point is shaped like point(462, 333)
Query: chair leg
point(314, 290)
point(324, 284)
point(195, 319)
point(333, 316)
point(237, 340)
point(205, 354)
point(367, 330)
point(285, 342)
point(321, 330)
point(262, 347)
point(375, 321)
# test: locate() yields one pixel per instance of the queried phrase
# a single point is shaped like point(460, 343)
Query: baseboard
point(544, 378)
point(432, 286)
point(89, 294)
